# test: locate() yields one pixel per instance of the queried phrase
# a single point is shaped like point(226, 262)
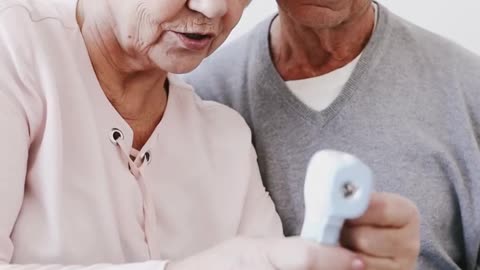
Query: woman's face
point(174, 35)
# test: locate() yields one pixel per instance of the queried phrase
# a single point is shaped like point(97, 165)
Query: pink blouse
point(70, 195)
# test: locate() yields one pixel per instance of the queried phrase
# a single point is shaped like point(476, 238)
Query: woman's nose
point(209, 8)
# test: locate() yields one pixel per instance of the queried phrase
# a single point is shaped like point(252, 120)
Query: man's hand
point(271, 254)
point(388, 235)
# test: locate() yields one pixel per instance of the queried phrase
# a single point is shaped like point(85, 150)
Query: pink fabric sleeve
point(259, 217)
point(14, 144)
point(14, 141)
point(149, 265)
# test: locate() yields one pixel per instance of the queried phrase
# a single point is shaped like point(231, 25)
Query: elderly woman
point(110, 162)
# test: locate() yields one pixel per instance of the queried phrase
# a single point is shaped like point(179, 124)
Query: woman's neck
point(301, 52)
point(135, 88)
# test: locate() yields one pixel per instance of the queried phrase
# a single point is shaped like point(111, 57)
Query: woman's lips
point(195, 42)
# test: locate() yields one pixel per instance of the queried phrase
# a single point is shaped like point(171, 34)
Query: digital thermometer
point(337, 187)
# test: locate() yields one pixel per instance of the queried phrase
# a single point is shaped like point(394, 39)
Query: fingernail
point(358, 264)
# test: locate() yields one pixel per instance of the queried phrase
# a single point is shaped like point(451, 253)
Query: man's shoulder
point(216, 72)
point(431, 47)
point(442, 65)
point(450, 58)
point(225, 72)
point(232, 57)
point(433, 54)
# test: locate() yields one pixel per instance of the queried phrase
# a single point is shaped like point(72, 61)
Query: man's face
point(322, 13)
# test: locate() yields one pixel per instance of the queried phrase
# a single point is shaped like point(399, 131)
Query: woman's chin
point(177, 62)
point(183, 70)
point(177, 67)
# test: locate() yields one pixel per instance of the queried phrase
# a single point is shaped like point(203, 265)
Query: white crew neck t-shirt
point(319, 92)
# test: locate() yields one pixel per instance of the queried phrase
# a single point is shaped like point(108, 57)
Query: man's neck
point(301, 52)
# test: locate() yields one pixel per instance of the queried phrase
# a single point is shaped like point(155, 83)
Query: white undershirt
point(319, 92)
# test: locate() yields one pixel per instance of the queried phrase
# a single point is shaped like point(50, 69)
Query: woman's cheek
point(219, 40)
point(235, 15)
point(166, 10)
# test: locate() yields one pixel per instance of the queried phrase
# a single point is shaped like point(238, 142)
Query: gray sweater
point(411, 110)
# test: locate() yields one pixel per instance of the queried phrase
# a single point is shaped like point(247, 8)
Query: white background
point(458, 20)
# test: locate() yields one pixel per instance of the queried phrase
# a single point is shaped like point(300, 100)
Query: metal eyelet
point(147, 157)
point(115, 135)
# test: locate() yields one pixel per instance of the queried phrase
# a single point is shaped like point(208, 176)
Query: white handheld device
point(337, 187)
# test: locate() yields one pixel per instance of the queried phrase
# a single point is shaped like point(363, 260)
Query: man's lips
point(195, 41)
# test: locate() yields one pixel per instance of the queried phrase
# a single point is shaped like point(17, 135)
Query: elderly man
point(352, 76)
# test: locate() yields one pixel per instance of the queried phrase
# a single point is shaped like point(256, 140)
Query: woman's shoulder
point(32, 25)
point(20, 15)
point(216, 117)
point(16, 53)
point(224, 117)
point(31, 29)
point(36, 21)
point(30, 34)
